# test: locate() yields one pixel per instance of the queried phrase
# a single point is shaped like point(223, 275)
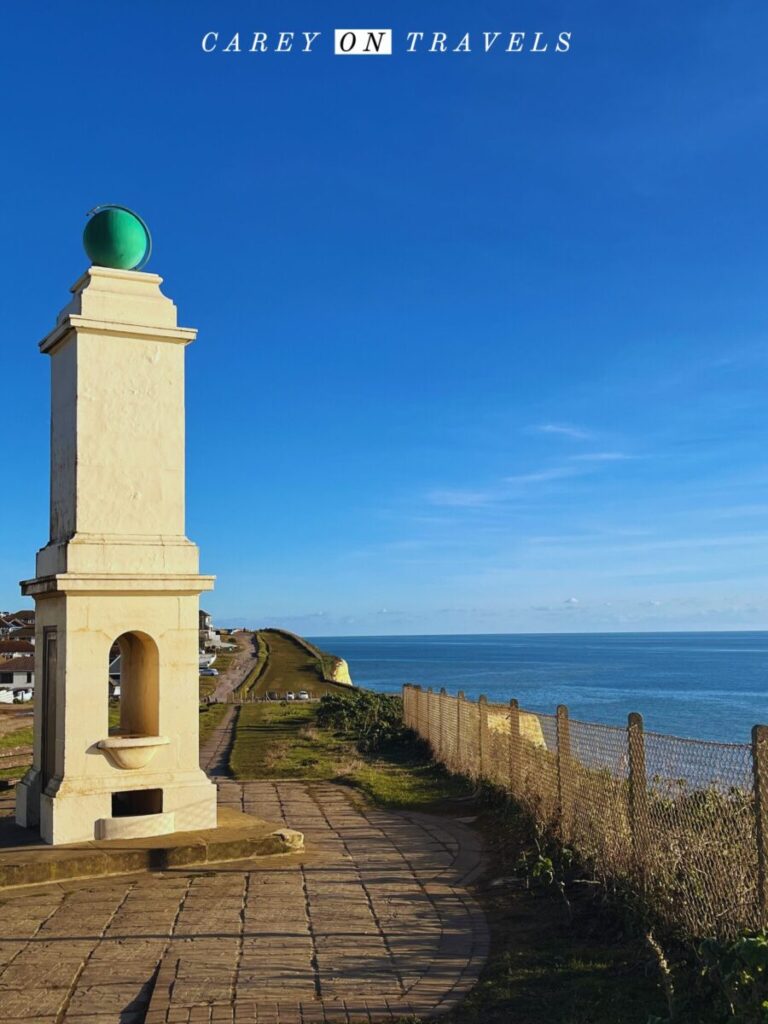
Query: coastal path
point(243, 660)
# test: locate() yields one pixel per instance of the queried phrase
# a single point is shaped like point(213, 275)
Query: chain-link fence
point(684, 823)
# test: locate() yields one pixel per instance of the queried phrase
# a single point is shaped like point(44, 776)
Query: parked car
point(290, 695)
point(303, 695)
point(273, 695)
point(209, 671)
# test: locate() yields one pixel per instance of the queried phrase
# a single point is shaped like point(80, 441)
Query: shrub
point(373, 720)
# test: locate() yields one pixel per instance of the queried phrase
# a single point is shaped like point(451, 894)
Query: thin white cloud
point(737, 511)
point(735, 540)
point(460, 498)
point(601, 457)
point(542, 475)
point(564, 430)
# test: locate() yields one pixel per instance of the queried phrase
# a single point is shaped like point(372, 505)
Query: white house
point(17, 673)
point(209, 637)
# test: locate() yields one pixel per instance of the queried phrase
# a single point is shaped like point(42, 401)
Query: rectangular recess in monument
point(48, 700)
point(131, 803)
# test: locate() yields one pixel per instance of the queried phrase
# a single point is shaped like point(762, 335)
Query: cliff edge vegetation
point(287, 663)
point(333, 668)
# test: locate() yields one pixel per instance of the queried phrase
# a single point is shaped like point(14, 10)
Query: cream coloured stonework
point(118, 564)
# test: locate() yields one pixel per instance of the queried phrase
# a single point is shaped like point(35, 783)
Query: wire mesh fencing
point(683, 822)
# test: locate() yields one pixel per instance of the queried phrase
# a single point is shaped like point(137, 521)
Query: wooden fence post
point(413, 707)
point(429, 718)
point(459, 754)
point(482, 735)
point(564, 777)
point(638, 789)
point(441, 709)
point(760, 769)
point(515, 750)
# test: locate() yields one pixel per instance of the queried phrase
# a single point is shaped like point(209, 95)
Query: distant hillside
point(287, 662)
point(333, 668)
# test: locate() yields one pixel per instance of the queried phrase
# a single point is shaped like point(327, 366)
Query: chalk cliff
point(340, 672)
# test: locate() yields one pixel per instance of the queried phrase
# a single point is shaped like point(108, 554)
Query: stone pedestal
point(118, 567)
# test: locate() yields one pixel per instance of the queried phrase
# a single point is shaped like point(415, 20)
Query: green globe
point(116, 237)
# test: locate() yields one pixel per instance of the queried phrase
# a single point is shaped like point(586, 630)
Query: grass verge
point(290, 666)
point(207, 686)
point(262, 656)
point(283, 741)
point(280, 741)
point(210, 716)
point(21, 737)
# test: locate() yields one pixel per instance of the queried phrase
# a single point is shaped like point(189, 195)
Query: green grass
point(223, 661)
point(207, 686)
point(400, 780)
point(113, 716)
point(279, 741)
point(262, 656)
point(291, 667)
point(545, 971)
point(21, 737)
point(282, 741)
point(210, 716)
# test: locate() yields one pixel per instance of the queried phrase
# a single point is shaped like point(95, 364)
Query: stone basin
point(130, 750)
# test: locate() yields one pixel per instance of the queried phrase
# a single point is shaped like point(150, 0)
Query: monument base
point(72, 812)
point(26, 860)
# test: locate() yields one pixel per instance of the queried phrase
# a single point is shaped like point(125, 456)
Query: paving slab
point(371, 922)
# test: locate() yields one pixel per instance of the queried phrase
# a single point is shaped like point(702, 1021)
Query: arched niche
point(139, 685)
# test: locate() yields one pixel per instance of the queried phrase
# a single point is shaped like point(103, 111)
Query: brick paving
point(370, 923)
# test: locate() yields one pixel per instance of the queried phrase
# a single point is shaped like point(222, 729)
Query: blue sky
point(482, 336)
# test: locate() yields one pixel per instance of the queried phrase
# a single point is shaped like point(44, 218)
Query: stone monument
point(118, 566)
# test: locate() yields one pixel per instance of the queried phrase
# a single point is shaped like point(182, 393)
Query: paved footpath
point(244, 659)
point(214, 755)
point(370, 923)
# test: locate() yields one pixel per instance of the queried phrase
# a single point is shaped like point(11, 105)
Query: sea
point(710, 685)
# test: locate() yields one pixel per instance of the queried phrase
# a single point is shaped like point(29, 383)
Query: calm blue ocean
point(704, 685)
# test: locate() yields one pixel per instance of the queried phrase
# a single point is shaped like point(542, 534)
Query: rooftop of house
point(17, 665)
point(23, 633)
point(16, 646)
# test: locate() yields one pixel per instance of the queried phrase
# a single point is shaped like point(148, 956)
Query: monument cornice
point(115, 329)
point(117, 583)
